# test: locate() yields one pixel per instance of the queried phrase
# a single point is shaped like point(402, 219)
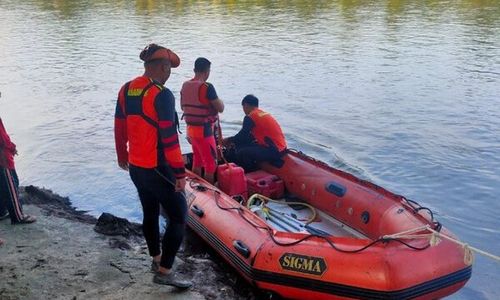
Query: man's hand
point(180, 184)
point(123, 165)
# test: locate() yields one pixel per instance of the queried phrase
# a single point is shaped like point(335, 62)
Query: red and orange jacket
point(7, 149)
point(261, 127)
point(146, 119)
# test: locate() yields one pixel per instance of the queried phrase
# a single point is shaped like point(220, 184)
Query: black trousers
point(248, 156)
point(9, 195)
point(154, 190)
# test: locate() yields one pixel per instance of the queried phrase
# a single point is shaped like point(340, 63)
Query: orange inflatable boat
point(306, 230)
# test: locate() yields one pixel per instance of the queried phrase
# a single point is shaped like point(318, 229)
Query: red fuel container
point(266, 184)
point(231, 179)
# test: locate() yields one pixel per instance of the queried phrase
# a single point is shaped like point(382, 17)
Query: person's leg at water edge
point(175, 207)
point(204, 150)
point(206, 155)
point(9, 195)
point(197, 158)
point(150, 209)
point(153, 191)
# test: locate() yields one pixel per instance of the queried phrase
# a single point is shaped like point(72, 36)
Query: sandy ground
point(61, 256)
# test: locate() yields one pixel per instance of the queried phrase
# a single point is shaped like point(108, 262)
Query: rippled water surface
point(403, 93)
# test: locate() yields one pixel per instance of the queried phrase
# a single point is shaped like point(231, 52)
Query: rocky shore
point(68, 254)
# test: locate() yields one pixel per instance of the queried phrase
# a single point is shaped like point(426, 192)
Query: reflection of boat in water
point(336, 245)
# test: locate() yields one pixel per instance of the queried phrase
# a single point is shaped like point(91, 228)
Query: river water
point(403, 93)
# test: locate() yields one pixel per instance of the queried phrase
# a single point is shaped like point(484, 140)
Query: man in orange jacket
point(146, 121)
point(259, 140)
point(200, 104)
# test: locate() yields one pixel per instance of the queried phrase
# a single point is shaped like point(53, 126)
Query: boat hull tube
point(344, 253)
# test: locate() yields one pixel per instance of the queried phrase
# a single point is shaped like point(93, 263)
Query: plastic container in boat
point(266, 184)
point(231, 180)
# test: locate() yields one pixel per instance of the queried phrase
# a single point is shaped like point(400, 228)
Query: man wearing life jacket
point(145, 121)
point(259, 140)
point(200, 104)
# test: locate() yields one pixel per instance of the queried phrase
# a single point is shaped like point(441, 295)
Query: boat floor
point(293, 218)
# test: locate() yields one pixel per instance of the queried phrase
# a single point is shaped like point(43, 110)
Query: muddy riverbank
point(68, 254)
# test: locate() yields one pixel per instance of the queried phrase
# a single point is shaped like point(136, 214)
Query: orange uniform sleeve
point(121, 138)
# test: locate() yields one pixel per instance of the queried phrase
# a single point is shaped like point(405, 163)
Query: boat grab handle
point(335, 188)
point(241, 248)
point(197, 211)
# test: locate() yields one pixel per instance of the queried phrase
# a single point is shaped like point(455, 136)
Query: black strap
point(141, 97)
point(146, 89)
point(143, 115)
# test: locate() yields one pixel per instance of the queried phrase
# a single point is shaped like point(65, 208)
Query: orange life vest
point(142, 122)
point(267, 127)
point(196, 112)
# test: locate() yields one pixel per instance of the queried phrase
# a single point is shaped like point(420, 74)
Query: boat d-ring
point(365, 217)
point(241, 248)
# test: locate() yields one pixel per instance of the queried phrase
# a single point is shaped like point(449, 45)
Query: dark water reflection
point(403, 93)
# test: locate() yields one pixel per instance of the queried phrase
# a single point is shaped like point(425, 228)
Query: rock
point(109, 224)
point(81, 273)
point(199, 260)
point(54, 204)
point(119, 244)
point(42, 196)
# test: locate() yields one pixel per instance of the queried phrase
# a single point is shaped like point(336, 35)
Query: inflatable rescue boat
point(306, 230)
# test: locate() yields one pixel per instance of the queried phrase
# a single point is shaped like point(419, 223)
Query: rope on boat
point(239, 209)
point(252, 199)
point(434, 239)
point(398, 237)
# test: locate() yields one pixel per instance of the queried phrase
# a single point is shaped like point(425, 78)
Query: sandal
point(27, 219)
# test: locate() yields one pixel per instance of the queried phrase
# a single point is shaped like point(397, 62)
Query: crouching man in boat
point(145, 119)
point(259, 140)
point(200, 104)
